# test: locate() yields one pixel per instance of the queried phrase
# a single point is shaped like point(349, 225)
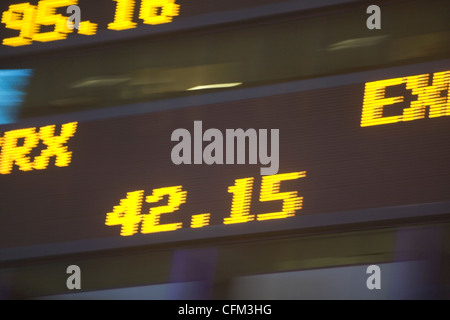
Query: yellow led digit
point(270, 188)
point(46, 16)
point(242, 196)
point(150, 11)
point(151, 222)
point(20, 17)
point(15, 152)
point(375, 101)
point(127, 214)
point(55, 146)
point(428, 96)
point(124, 15)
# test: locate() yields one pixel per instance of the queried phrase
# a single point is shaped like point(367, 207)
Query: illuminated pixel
point(434, 96)
point(200, 220)
point(29, 19)
point(270, 188)
point(240, 206)
point(177, 197)
point(46, 16)
point(13, 153)
point(16, 146)
point(20, 17)
point(149, 11)
point(124, 15)
point(128, 213)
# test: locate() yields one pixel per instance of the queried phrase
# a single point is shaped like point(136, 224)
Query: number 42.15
point(128, 213)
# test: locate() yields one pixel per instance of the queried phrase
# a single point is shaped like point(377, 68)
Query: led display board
point(41, 25)
point(146, 178)
point(29, 20)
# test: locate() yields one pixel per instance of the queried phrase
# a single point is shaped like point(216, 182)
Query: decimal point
point(88, 28)
point(200, 220)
